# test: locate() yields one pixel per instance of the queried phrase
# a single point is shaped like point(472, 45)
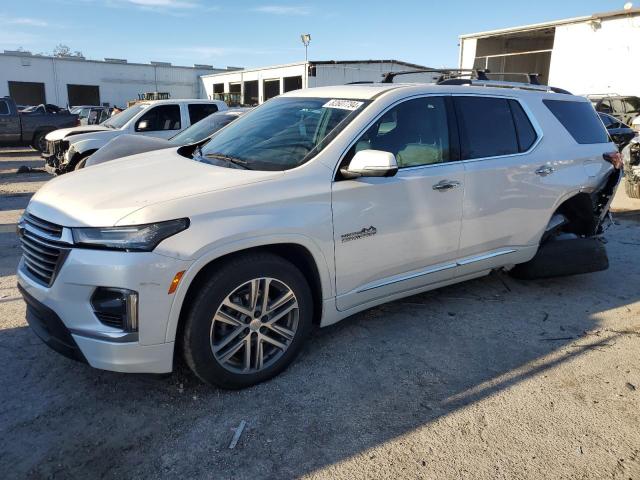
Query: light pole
point(306, 40)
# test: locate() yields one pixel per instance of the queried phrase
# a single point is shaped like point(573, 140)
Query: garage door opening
point(525, 52)
point(271, 89)
point(251, 92)
point(83, 95)
point(292, 83)
point(27, 93)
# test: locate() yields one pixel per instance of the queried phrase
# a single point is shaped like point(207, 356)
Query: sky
point(251, 33)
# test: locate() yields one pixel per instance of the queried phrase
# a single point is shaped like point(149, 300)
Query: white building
point(586, 55)
point(34, 79)
point(257, 85)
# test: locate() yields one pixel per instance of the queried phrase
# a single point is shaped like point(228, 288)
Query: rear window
point(198, 111)
point(4, 108)
point(580, 120)
point(486, 126)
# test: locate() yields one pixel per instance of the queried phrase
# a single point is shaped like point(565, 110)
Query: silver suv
point(314, 206)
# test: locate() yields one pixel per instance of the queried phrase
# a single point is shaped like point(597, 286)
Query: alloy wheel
point(254, 326)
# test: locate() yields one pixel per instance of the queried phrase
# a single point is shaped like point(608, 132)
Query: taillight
point(614, 158)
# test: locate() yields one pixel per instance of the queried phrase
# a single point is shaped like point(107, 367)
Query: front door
point(396, 235)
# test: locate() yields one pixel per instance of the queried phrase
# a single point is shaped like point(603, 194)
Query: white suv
point(316, 205)
point(67, 148)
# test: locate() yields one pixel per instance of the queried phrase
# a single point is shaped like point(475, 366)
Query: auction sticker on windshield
point(343, 104)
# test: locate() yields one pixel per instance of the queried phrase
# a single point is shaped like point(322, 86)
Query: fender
point(326, 279)
point(93, 142)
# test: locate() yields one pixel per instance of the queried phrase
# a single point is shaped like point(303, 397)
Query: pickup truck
point(66, 148)
point(30, 128)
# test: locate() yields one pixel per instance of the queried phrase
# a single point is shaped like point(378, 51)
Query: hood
point(65, 132)
point(102, 195)
point(124, 146)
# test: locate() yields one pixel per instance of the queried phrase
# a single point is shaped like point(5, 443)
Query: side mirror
point(142, 126)
point(371, 163)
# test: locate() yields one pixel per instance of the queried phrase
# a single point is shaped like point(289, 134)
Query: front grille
point(56, 147)
point(49, 228)
point(42, 253)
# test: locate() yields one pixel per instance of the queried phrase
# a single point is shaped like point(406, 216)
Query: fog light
point(116, 307)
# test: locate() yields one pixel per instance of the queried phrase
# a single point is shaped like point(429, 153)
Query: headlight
point(69, 154)
point(134, 238)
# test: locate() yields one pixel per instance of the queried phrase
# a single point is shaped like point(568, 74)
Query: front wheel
point(248, 321)
point(40, 142)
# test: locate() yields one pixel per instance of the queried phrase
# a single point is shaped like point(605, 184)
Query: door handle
point(545, 170)
point(444, 185)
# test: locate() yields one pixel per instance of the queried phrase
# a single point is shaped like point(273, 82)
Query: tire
point(39, 141)
point(632, 189)
point(80, 165)
point(559, 258)
point(216, 350)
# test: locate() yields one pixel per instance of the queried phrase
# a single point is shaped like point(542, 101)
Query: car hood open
point(100, 196)
point(63, 133)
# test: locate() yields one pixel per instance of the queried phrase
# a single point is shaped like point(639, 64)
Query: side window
point(606, 119)
point(162, 117)
point(486, 127)
point(579, 119)
point(416, 132)
point(527, 135)
point(4, 108)
point(632, 104)
point(198, 111)
point(617, 105)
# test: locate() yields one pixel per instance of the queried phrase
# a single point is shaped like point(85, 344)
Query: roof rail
point(477, 77)
point(603, 95)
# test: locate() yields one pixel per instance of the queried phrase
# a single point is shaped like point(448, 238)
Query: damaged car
point(316, 205)
point(67, 147)
point(127, 145)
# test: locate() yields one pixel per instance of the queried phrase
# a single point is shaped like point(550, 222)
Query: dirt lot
point(493, 378)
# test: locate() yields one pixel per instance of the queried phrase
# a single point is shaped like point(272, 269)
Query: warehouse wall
point(588, 59)
point(117, 82)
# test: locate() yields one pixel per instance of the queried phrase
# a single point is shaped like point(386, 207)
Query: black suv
point(624, 108)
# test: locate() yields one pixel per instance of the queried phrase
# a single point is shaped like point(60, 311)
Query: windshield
point(122, 118)
point(202, 129)
point(283, 133)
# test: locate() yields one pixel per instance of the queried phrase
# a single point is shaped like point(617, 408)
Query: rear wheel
point(248, 321)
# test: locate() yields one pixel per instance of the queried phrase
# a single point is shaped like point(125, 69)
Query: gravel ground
point(493, 378)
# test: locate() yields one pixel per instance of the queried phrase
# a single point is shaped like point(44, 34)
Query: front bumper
point(62, 316)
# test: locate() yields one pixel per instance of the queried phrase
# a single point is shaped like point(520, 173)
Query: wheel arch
point(311, 263)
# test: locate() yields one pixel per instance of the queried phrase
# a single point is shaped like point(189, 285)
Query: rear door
point(198, 111)
point(503, 201)
point(398, 234)
point(9, 124)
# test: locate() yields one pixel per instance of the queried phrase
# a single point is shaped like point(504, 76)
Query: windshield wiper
point(233, 160)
